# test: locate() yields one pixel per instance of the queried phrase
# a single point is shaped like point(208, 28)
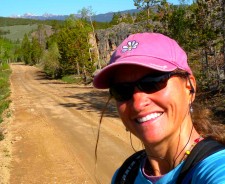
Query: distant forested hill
point(28, 19)
point(5, 21)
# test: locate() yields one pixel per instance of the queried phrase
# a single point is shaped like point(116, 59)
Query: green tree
point(141, 16)
point(146, 5)
point(6, 50)
point(164, 13)
point(36, 51)
point(55, 25)
point(116, 18)
point(129, 18)
point(88, 13)
point(73, 44)
point(209, 35)
point(26, 49)
point(50, 61)
point(41, 35)
point(179, 25)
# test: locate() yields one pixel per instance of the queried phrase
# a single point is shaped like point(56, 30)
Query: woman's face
point(157, 116)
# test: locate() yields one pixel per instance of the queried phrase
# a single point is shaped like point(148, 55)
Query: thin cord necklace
point(175, 159)
point(188, 152)
point(163, 158)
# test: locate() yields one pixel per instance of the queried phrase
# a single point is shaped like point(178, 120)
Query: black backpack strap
point(129, 169)
point(202, 150)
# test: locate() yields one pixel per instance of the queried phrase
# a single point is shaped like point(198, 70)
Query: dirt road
point(54, 131)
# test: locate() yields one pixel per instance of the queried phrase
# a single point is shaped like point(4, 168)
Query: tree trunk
point(78, 68)
point(84, 74)
point(148, 10)
point(206, 67)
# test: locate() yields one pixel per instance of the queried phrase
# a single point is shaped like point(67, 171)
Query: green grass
point(71, 79)
point(5, 72)
point(18, 31)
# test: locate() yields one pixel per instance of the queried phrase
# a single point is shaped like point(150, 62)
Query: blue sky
point(64, 7)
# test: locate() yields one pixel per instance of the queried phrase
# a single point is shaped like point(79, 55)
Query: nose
point(140, 100)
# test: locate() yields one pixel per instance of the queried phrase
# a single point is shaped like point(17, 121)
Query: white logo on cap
point(130, 45)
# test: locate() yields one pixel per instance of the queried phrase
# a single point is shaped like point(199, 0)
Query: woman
point(154, 88)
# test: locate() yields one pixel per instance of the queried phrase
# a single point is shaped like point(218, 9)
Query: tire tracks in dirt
point(56, 126)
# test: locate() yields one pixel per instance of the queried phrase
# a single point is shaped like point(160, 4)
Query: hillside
point(14, 28)
point(17, 32)
point(6, 21)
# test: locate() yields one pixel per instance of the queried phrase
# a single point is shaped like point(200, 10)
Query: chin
point(150, 139)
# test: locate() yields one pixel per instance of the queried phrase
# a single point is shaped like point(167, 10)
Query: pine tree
point(73, 44)
point(146, 5)
point(26, 50)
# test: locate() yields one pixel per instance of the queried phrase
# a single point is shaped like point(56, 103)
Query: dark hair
point(206, 124)
point(203, 119)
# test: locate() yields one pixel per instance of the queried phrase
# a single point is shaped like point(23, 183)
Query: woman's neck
point(165, 156)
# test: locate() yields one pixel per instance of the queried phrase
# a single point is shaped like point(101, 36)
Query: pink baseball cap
point(151, 50)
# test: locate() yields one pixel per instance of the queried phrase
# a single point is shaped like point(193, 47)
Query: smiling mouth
point(148, 117)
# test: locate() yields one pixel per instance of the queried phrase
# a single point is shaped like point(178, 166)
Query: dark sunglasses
point(148, 84)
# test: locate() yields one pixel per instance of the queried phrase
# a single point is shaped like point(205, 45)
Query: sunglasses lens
point(149, 84)
point(122, 92)
point(153, 84)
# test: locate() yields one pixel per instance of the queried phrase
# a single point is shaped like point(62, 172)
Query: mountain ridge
point(104, 17)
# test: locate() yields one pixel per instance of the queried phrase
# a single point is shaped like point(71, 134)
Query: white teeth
point(148, 117)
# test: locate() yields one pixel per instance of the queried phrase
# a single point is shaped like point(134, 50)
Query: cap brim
point(103, 78)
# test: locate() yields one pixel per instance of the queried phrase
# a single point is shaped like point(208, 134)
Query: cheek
point(123, 112)
point(175, 101)
point(121, 108)
point(172, 98)
point(163, 99)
